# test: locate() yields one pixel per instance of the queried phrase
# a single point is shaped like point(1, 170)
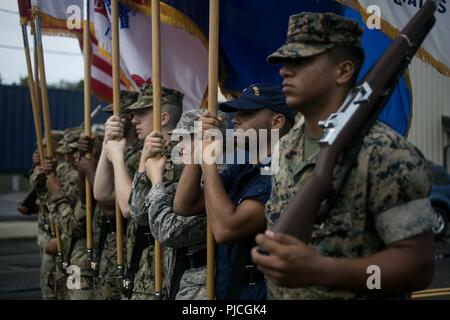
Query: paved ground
point(19, 254)
point(8, 207)
point(19, 269)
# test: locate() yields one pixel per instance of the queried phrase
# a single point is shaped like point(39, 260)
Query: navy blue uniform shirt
point(241, 182)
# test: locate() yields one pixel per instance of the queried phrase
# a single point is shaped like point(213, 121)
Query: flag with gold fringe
point(394, 14)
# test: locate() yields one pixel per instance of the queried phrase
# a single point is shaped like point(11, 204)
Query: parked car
point(440, 199)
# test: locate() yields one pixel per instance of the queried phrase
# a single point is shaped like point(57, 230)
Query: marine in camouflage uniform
point(109, 276)
point(110, 284)
point(143, 285)
point(44, 235)
point(144, 277)
point(70, 213)
point(384, 199)
point(48, 262)
point(91, 263)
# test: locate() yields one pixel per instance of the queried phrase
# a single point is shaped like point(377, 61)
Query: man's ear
point(345, 72)
point(165, 118)
point(278, 121)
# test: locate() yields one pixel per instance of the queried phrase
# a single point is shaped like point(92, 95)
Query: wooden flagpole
point(87, 121)
point(116, 111)
point(213, 71)
point(156, 81)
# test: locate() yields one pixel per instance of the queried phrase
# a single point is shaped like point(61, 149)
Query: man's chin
point(292, 102)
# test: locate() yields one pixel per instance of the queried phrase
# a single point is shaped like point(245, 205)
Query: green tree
point(68, 85)
point(23, 81)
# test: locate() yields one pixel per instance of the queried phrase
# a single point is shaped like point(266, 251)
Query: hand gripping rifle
point(355, 118)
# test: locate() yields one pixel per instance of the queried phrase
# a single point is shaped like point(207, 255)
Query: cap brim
point(239, 104)
point(138, 106)
point(298, 50)
point(108, 108)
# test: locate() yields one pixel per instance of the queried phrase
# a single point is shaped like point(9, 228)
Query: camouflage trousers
point(142, 296)
point(48, 276)
point(80, 270)
point(144, 285)
point(61, 284)
point(108, 288)
point(85, 292)
point(109, 282)
point(193, 285)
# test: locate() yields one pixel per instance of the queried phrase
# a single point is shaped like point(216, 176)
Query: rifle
point(355, 118)
point(94, 114)
point(29, 202)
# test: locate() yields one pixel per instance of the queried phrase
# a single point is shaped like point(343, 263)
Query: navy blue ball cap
point(260, 96)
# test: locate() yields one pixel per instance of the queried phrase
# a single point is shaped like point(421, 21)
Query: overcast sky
point(12, 61)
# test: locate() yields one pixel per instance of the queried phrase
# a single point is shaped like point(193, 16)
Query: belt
point(194, 260)
point(185, 261)
point(252, 275)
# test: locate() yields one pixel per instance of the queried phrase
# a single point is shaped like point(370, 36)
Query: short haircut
point(286, 126)
point(174, 112)
point(356, 55)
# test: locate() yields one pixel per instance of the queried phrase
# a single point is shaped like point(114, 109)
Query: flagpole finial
point(33, 11)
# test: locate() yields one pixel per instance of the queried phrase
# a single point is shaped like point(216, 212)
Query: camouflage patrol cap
point(311, 33)
point(70, 141)
point(57, 137)
point(188, 119)
point(127, 98)
point(145, 99)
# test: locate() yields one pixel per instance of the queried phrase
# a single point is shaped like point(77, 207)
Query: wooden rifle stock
point(29, 202)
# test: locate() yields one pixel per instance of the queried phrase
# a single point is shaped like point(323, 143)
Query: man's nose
point(286, 72)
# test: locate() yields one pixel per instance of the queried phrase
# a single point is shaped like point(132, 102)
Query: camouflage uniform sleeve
point(71, 220)
point(170, 229)
point(33, 178)
point(64, 206)
point(140, 188)
point(69, 190)
point(399, 183)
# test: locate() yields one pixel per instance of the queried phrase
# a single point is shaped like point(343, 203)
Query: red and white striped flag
point(184, 54)
point(54, 16)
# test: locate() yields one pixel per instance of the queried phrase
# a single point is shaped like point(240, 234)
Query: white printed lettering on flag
point(184, 59)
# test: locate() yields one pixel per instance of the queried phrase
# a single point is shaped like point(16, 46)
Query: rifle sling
point(101, 243)
point(142, 240)
point(178, 271)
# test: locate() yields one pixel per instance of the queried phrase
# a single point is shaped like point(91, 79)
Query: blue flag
point(250, 30)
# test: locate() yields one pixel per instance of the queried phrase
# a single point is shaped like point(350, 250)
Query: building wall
point(17, 134)
point(431, 100)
